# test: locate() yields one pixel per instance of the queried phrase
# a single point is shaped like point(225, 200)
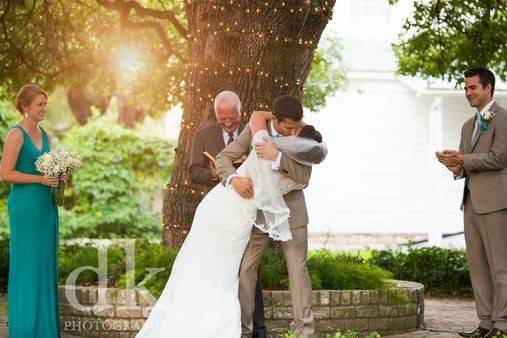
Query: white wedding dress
point(200, 299)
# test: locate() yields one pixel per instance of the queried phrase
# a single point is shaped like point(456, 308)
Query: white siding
point(377, 177)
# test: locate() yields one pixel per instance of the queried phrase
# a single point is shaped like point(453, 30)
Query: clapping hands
point(451, 159)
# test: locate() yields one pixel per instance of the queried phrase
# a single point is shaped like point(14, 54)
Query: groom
point(287, 120)
point(482, 162)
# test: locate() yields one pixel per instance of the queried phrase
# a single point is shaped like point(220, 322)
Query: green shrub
point(8, 118)
point(4, 264)
point(152, 256)
point(147, 256)
point(444, 272)
point(329, 270)
point(104, 200)
point(72, 257)
point(339, 271)
point(347, 334)
point(333, 270)
point(273, 270)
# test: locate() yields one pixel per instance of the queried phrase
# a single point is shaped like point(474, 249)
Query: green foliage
point(273, 270)
point(444, 38)
point(89, 49)
point(148, 255)
point(8, 118)
point(104, 199)
point(338, 271)
point(4, 264)
point(154, 255)
point(347, 334)
point(326, 77)
point(443, 272)
point(80, 42)
point(329, 270)
point(72, 257)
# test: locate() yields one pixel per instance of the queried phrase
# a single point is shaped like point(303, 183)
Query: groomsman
point(213, 139)
point(482, 162)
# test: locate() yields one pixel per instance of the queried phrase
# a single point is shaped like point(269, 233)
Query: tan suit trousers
point(295, 252)
point(486, 245)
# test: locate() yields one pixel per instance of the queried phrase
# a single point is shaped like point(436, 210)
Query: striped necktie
point(477, 125)
point(231, 138)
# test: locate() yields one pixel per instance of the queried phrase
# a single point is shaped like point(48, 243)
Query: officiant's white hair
point(227, 99)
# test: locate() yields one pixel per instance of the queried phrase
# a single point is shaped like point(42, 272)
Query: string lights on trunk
point(206, 30)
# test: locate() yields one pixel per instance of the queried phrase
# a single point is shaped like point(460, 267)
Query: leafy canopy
point(444, 38)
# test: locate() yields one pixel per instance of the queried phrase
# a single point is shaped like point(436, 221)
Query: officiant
point(214, 138)
point(208, 142)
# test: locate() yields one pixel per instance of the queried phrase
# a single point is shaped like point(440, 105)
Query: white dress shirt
point(225, 135)
point(482, 112)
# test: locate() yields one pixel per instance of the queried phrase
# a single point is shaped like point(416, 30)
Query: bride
point(201, 297)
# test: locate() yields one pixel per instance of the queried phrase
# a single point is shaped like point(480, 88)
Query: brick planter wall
point(362, 311)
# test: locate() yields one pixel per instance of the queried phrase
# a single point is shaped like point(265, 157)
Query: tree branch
point(29, 64)
point(164, 15)
point(125, 7)
point(160, 31)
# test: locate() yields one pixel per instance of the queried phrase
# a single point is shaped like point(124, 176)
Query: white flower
point(488, 116)
point(58, 162)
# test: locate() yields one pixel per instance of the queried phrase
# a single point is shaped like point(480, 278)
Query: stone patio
point(451, 315)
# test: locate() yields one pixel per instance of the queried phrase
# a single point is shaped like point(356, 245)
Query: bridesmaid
point(33, 309)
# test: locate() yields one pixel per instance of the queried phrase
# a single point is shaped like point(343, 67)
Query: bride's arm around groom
point(242, 145)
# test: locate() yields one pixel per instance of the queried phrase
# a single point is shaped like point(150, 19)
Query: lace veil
point(268, 197)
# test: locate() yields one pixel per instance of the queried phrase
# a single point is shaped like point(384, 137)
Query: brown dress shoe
point(479, 332)
point(497, 333)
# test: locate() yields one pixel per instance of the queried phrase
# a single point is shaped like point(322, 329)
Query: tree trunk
point(129, 115)
point(80, 102)
point(258, 49)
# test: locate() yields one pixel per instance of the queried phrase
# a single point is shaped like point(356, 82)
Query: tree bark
point(258, 49)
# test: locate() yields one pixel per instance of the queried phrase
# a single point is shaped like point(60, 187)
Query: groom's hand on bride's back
point(243, 186)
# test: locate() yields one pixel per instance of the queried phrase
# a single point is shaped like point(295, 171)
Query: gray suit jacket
point(485, 162)
point(208, 139)
point(295, 200)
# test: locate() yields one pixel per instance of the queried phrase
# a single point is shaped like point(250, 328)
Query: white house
point(381, 175)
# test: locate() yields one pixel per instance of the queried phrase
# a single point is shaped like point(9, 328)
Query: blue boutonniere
point(485, 119)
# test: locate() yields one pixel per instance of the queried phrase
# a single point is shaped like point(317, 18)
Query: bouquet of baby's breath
point(56, 163)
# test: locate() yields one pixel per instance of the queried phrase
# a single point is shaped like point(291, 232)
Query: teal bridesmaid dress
point(33, 309)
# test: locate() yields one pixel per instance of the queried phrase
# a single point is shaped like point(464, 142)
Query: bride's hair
point(307, 148)
point(309, 131)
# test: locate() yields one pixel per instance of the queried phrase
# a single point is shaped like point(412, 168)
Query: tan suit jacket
point(485, 162)
point(299, 173)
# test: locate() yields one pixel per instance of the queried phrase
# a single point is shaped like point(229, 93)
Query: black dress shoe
point(479, 332)
point(259, 334)
point(497, 333)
